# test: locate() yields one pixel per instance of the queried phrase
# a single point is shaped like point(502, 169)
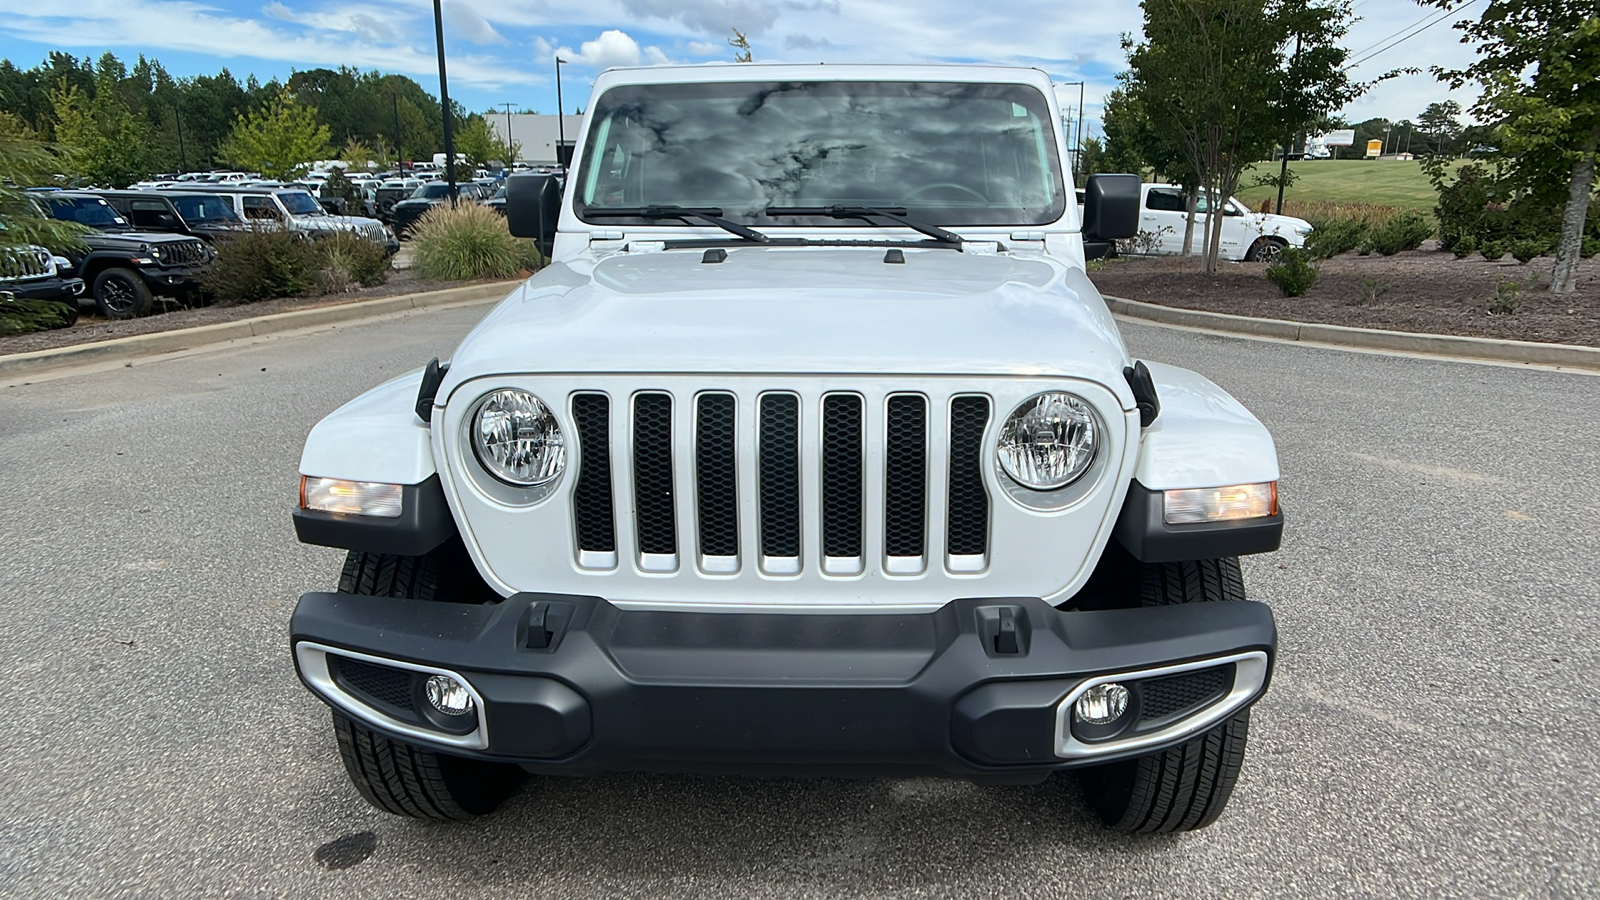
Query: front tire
point(1265, 250)
point(121, 294)
point(399, 777)
point(1182, 788)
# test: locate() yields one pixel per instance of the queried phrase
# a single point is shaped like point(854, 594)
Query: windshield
point(431, 192)
point(91, 211)
point(201, 208)
point(300, 203)
point(948, 153)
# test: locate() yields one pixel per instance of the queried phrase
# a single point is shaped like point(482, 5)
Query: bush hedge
point(1293, 272)
point(260, 264)
point(24, 316)
point(469, 241)
point(1403, 232)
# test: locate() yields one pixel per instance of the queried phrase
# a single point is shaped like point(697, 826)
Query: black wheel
point(395, 776)
point(122, 294)
point(408, 780)
point(1264, 250)
point(1183, 788)
point(71, 304)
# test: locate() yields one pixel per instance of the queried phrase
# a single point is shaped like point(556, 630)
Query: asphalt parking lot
point(1433, 728)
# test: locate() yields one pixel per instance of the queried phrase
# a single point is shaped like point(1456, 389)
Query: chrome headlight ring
point(517, 439)
point(1048, 441)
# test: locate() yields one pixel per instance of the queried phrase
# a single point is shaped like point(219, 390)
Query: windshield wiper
point(897, 213)
point(712, 214)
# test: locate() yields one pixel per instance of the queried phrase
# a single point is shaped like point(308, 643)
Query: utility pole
point(399, 158)
point(509, 145)
point(1283, 167)
point(444, 104)
point(183, 158)
point(561, 116)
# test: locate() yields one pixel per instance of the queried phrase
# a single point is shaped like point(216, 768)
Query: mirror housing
point(533, 207)
point(1110, 208)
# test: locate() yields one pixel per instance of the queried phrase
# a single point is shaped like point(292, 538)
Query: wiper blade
point(897, 213)
point(712, 214)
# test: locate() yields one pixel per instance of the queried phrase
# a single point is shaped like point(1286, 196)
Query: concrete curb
point(1489, 349)
point(138, 346)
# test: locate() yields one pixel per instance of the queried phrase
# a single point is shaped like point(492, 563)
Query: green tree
point(280, 140)
point(479, 141)
point(1441, 122)
point(1222, 81)
point(27, 161)
point(1539, 65)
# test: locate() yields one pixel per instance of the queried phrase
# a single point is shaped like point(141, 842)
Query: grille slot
point(779, 458)
point(593, 508)
point(842, 472)
point(652, 481)
point(25, 262)
point(968, 536)
point(716, 482)
point(1161, 698)
point(905, 482)
point(382, 686)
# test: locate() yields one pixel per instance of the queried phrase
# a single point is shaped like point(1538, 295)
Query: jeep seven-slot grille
point(780, 430)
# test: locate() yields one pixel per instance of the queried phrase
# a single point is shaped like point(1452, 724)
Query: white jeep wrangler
point(813, 451)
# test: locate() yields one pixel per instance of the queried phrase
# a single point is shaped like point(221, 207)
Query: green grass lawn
point(1386, 182)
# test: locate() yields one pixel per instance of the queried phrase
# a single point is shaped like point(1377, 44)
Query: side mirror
point(1110, 208)
point(533, 207)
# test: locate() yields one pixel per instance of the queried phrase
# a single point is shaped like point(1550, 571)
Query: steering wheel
point(917, 192)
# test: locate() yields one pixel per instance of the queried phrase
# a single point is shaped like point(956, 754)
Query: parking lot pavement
point(1431, 730)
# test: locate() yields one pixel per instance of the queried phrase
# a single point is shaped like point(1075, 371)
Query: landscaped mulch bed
point(1426, 291)
point(93, 328)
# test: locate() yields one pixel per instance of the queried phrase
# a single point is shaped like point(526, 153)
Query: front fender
point(1202, 438)
point(375, 437)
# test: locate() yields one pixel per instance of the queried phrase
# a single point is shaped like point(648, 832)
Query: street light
point(561, 116)
point(444, 104)
point(511, 150)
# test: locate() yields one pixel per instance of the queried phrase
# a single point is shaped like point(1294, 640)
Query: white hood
point(801, 310)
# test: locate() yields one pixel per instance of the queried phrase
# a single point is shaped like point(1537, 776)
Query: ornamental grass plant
point(467, 242)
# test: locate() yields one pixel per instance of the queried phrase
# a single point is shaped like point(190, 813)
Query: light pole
point(561, 116)
point(444, 104)
point(512, 151)
point(399, 158)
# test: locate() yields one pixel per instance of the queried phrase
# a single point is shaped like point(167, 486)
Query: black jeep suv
point(205, 216)
point(125, 269)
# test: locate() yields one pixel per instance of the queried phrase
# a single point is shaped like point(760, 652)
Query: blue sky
point(502, 51)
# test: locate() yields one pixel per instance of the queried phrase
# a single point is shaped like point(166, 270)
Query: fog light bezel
point(311, 658)
point(1250, 671)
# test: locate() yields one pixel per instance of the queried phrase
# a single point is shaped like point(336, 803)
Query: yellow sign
point(1374, 149)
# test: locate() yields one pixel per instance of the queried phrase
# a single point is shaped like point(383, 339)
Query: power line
point(1425, 24)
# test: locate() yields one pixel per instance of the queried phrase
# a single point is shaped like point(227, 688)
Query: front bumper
point(977, 688)
point(44, 288)
point(168, 280)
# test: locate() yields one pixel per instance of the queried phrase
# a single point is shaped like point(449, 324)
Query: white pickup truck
point(1246, 236)
point(813, 451)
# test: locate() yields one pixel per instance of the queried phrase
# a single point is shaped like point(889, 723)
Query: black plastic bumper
point(577, 685)
point(166, 280)
point(44, 288)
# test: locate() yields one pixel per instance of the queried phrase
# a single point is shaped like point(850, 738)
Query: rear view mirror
point(1110, 208)
point(533, 207)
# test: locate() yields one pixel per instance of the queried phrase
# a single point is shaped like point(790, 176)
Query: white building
point(536, 133)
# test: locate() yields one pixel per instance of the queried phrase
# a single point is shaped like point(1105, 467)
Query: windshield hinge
point(982, 248)
point(606, 235)
point(1027, 235)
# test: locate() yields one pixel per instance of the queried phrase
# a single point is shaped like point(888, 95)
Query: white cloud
point(709, 16)
point(706, 48)
point(804, 42)
point(613, 49)
point(471, 25)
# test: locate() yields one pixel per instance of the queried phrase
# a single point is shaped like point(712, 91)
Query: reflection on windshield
point(198, 208)
point(300, 203)
point(950, 153)
point(93, 212)
point(431, 192)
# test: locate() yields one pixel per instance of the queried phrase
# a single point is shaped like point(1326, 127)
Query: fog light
point(361, 498)
point(1101, 704)
point(450, 696)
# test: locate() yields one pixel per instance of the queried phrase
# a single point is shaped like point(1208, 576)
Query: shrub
point(349, 259)
point(1591, 246)
point(1492, 250)
point(23, 316)
point(1333, 237)
point(1403, 232)
point(1525, 249)
point(470, 241)
point(1464, 246)
point(261, 263)
point(1505, 299)
point(1463, 206)
point(1372, 292)
point(1293, 272)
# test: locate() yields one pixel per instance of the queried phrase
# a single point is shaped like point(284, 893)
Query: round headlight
point(1049, 441)
point(516, 438)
